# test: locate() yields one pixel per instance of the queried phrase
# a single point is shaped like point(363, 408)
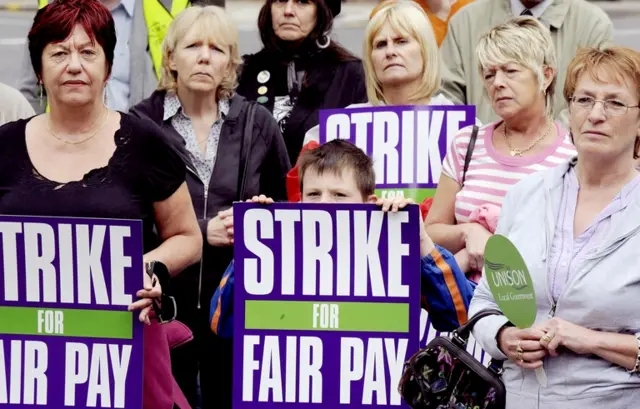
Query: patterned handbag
point(444, 375)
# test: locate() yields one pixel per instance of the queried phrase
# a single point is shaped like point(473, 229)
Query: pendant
point(514, 152)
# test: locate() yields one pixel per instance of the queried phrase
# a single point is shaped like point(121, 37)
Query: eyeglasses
point(611, 106)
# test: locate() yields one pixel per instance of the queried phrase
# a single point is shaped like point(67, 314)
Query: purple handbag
point(160, 389)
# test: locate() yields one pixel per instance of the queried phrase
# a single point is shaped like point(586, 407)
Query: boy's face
point(331, 188)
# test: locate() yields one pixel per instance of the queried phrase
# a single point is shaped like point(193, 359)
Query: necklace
point(518, 152)
point(104, 120)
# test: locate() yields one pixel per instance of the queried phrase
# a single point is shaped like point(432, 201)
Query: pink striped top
point(490, 173)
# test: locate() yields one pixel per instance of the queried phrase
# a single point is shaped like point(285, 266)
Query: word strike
point(404, 147)
point(77, 269)
point(322, 274)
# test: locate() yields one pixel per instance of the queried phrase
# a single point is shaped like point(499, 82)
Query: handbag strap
point(467, 158)
point(461, 336)
point(462, 333)
point(245, 153)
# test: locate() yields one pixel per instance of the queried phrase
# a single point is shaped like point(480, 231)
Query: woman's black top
point(324, 81)
point(143, 169)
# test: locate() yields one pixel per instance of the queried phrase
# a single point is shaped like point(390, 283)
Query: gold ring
point(547, 337)
point(519, 348)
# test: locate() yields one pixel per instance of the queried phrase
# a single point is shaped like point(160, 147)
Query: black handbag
point(444, 375)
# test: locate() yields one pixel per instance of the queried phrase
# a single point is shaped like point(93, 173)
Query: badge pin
point(262, 90)
point(264, 77)
point(262, 100)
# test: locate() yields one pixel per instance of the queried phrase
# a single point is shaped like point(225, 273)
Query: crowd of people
point(148, 111)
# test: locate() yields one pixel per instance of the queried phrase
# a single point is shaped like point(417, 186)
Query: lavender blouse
point(568, 252)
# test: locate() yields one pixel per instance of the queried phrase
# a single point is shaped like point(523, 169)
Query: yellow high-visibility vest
point(158, 19)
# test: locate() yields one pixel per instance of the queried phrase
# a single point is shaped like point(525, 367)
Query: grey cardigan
point(143, 76)
point(602, 295)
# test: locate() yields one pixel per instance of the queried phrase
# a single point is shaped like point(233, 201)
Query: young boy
point(340, 172)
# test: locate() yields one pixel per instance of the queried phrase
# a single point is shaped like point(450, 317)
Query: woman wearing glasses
point(577, 227)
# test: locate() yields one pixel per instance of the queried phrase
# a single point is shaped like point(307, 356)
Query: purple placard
point(407, 143)
point(66, 338)
point(284, 354)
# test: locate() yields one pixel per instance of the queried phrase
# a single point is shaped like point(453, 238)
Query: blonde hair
point(211, 23)
point(524, 41)
point(407, 17)
point(616, 62)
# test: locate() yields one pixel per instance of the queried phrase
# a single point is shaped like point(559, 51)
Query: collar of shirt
point(173, 106)
point(517, 8)
point(127, 5)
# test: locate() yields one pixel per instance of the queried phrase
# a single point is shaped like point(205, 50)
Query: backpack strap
point(245, 153)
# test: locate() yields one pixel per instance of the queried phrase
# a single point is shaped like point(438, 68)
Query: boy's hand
point(394, 204)
point(426, 244)
point(261, 199)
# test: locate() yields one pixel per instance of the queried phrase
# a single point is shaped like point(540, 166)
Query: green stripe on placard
point(74, 323)
point(335, 316)
point(418, 195)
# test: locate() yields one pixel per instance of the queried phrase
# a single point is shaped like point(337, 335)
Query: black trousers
point(208, 355)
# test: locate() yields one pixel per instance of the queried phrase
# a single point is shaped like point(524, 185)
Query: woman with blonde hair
point(233, 150)
point(401, 65)
point(577, 227)
point(518, 67)
point(401, 57)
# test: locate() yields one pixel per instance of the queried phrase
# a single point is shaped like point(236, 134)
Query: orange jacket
point(439, 26)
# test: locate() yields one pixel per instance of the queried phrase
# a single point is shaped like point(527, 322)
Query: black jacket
point(268, 165)
point(329, 84)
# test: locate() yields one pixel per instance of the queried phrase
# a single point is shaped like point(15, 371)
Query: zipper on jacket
point(548, 240)
point(204, 216)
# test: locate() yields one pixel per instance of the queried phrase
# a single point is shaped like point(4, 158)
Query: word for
point(358, 234)
point(326, 315)
point(28, 362)
point(78, 269)
point(510, 278)
point(392, 194)
point(373, 366)
point(50, 322)
point(404, 146)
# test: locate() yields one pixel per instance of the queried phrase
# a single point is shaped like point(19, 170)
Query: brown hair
point(619, 61)
point(336, 156)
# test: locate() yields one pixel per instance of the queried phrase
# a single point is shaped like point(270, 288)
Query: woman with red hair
point(85, 160)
